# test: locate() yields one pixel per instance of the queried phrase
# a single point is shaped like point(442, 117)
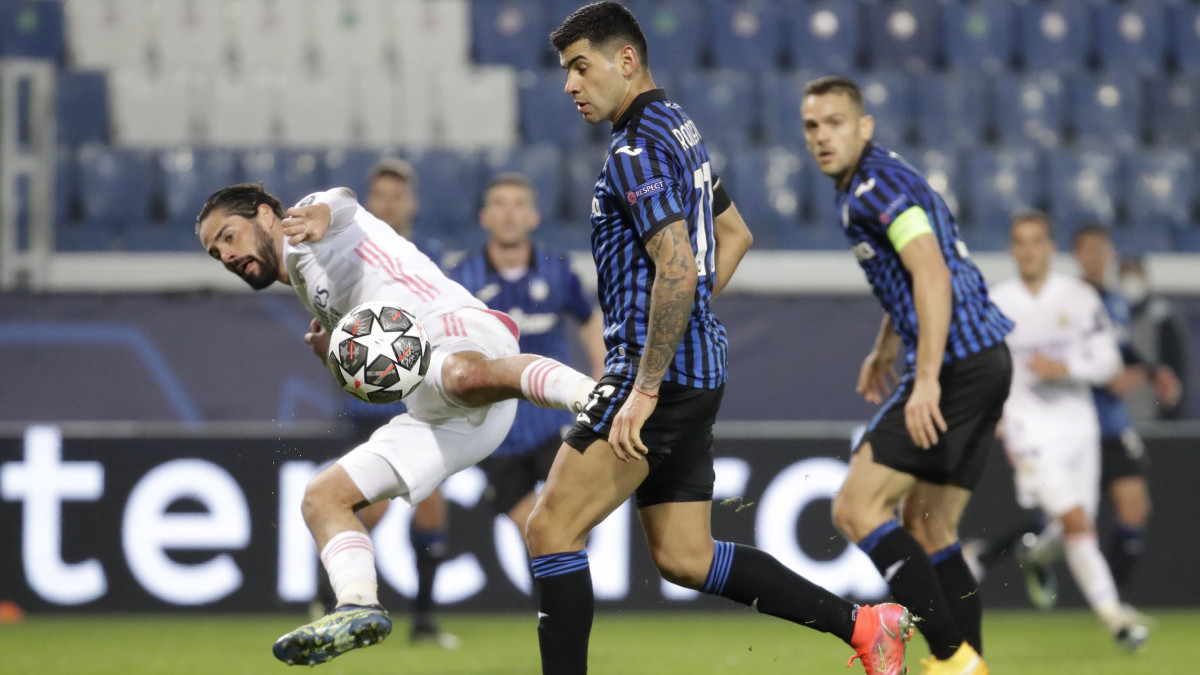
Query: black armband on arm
point(721, 201)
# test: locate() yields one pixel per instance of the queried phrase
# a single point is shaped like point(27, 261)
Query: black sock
point(961, 591)
point(747, 575)
point(908, 572)
point(563, 585)
point(1124, 549)
point(1000, 546)
point(429, 547)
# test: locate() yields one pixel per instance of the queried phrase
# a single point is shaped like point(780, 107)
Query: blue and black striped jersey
point(882, 190)
point(1114, 416)
point(547, 292)
point(658, 171)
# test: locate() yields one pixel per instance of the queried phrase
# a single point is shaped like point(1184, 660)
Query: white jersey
point(361, 258)
point(1066, 322)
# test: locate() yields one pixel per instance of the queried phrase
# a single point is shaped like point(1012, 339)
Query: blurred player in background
point(1063, 345)
point(336, 256)
point(666, 238)
point(1159, 337)
point(392, 198)
point(536, 287)
point(926, 448)
point(1122, 453)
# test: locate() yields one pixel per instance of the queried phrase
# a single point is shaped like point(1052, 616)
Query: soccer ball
point(379, 352)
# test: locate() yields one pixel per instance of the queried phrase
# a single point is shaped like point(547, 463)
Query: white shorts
point(1058, 475)
point(414, 452)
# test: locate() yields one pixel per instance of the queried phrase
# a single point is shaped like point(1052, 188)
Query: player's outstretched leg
point(881, 633)
point(345, 628)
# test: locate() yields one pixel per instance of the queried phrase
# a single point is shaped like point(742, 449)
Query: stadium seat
point(547, 114)
point(31, 29)
point(353, 34)
point(1134, 241)
point(582, 171)
point(888, 96)
point(448, 188)
point(542, 165)
point(978, 35)
point(153, 110)
point(941, 168)
point(271, 35)
point(1161, 188)
point(70, 233)
point(82, 107)
point(902, 34)
point(191, 34)
point(824, 220)
point(107, 34)
point(348, 167)
point(287, 174)
point(823, 35)
point(1106, 110)
point(1131, 36)
point(188, 176)
point(1173, 102)
point(509, 32)
point(428, 32)
point(115, 188)
point(747, 34)
point(328, 123)
point(768, 186)
point(1083, 187)
point(950, 109)
point(676, 33)
point(1053, 35)
point(1185, 36)
point(999, 183)
point(478, 106)
point(724, 105)
point(1029, 108)
point(782, 92)
point(231, 121)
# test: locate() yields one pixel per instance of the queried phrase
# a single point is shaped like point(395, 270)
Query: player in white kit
point(1063, 345)
point(336, 255)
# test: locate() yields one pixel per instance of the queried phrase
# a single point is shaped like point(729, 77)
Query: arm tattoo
point(672, 298)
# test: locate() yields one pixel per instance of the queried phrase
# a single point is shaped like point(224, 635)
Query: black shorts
point(973, 393)
point(511, 477)
point(678, 436)
point(1122, 456)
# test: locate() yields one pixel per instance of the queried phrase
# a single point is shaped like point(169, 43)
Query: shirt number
point(703, 180)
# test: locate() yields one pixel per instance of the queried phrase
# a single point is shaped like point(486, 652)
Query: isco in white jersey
point(336, 255)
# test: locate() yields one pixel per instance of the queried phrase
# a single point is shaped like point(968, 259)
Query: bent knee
point(545, 534)
point(689, 570)
point(849, 518)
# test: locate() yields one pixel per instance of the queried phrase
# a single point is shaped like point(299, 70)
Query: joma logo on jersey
point(643, 190)
point(687, 134)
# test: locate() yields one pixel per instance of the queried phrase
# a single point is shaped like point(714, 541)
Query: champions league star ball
point(379, 352)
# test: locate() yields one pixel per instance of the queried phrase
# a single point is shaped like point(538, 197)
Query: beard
point(267, 260)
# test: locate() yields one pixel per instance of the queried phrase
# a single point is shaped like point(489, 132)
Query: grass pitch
point(734, 642)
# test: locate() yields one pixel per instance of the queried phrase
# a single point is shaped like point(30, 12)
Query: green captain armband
point(908, 226)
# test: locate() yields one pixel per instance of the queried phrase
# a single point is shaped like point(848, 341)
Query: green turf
point(625, 644)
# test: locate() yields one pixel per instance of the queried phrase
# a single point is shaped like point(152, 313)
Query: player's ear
point(627, 60)
point(866, 127)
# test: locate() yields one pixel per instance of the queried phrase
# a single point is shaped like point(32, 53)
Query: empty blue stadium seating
point(1184, 28)
point(1106, 110)
point(1131, 36)
point(1160, 188)
point(543, 166)
point(189, 176)
point(349, 167)
point(676, 33)
point(115, 188)
point(1082, 188)
point(582, 169)
point(1173, 102)
point(767, 185)
point(999, 183)
point(82, 107)
point(901, 34)
point(823, 215)
point(287, 174)
point(1134, 241)
point(823, 35)
point(31, 29)
point(747, 34)
point(448, 189)
point(723, 104)
point(547, 114)
point(1029, 108)
point(1053, 35)
point(950, 109)
point(510, 32)
point(889, 97)
point(781, 97)
point(978, 35)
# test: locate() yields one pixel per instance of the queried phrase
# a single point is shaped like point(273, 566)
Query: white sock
point(550, 384)
point(1093, 577)
point(349, 559)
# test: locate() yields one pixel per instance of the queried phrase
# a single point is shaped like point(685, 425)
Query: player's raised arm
point(733, 237)
point(318, 213)
point(671, 299)
point(932, 299)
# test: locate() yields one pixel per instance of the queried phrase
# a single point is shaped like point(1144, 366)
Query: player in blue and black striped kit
point(665, 238)
point(537, 288)
point(928, 444)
